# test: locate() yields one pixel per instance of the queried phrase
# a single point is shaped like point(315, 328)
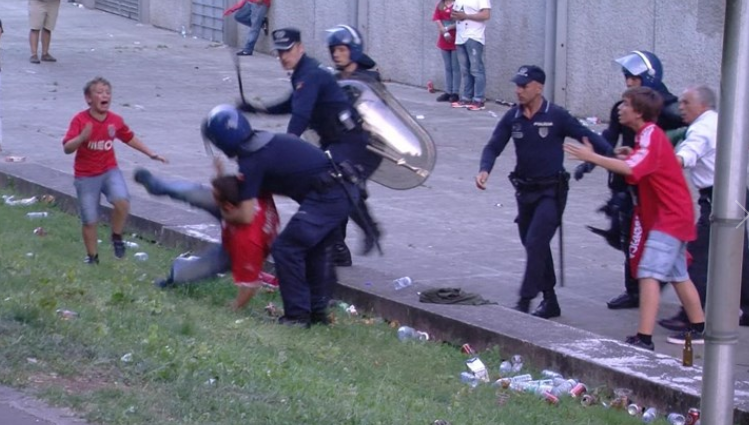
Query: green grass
point(193, 361)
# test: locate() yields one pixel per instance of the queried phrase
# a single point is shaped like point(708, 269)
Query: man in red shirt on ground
point(91, 136)
point(664, 216)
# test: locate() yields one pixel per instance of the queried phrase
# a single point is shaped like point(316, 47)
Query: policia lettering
point(538, 129)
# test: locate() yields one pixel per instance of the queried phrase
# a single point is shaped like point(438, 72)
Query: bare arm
point(244, 213)
point(73, 144)
point(585, 152)
point(136, 144)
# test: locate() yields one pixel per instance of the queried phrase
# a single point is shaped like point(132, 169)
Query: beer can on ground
point(578, 390)
point(550, 398)
point(693, 415)
point(467, 349)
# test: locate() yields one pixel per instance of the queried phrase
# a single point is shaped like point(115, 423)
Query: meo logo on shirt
point(101, 145)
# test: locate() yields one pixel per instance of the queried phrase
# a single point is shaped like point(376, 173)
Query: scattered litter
point(66, 314)
point(420, 117)
point(41, 214)
point(498, 204)
point(48, 199)
point(29, 254)
point(13, 158)
point(271, 310)
point(127, 358)
point(32, 360)
point(430, 86)
point(39, 231)
point(402, 282)
point(493, 114)
point(407, 333)
point(10, 200)
point(211, 382)
point(592, 120)
point(130, 410)
point(226, 79)
point(141, 256)
point(136, 43)
point(139, 107)
point(467, 349)
point(131, 244)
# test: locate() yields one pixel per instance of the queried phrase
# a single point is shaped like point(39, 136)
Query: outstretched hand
point(582, 151)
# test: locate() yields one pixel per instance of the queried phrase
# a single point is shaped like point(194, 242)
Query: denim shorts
point(664, 259)
point(89, 190)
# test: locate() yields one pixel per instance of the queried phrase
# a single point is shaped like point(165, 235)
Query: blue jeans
point(471, 57)
point(213, 259)
point(254, 20)
point(452, 71)
point(89, 190)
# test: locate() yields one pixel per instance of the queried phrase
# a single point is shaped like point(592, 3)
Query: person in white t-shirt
point(471, 17)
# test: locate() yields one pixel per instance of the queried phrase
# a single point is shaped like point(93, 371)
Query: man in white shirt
point(697, 154)
point(471, 17)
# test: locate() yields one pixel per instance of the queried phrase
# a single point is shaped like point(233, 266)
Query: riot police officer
point(538, 129)
point(318, 102)
point(283, 164)
point(641, 69)
point(346, 47)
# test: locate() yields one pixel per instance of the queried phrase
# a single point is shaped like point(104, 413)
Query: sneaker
point(244, 53)
point(476, 106)
point(454, 98)
point(48, 58)
point(148, 181)
point(92, 259)
point(34, 59)
point(460, 104)
point(119, 248)
point(680, 337)
point(444, 97)
point(637, 342)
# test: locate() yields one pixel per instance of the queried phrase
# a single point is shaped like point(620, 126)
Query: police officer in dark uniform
point(318, 102)
point(346, 47)
point(538, 129)
point(283, 164)
point(641, 69)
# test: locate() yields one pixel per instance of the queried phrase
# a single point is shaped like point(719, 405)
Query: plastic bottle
point(469, 379)
point(522, 378)
point(676, 419)
point(42, 214)
point(505, 368)
point(650, 415)
point(430, 86)
point(407, 333)
point(634, 410)
point(183, 31)
point(141, 256)
point(546, 373)
point(403, 282)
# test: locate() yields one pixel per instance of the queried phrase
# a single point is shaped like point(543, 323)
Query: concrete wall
point(685, 34)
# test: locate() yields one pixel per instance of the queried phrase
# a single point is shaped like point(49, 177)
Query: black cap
point(286, 38)
point(528, 73)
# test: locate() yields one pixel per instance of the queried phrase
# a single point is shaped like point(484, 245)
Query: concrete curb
point(656, 379)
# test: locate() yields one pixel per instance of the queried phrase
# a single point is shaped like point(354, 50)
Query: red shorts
point(249, 244)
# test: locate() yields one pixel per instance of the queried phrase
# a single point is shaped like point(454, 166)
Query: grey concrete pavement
point(445, 233)
point(17, 408)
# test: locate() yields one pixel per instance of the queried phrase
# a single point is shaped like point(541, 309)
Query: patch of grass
point(136, 354)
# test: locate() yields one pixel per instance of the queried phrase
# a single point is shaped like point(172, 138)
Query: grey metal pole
point(560, 53)
point(550, 43)
point(728, 226)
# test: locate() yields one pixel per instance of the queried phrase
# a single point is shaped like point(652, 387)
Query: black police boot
point(624, 300)
point(341, 255)
point(523, 305)
point(302, 322)
point(320, 318)
point(549, 307)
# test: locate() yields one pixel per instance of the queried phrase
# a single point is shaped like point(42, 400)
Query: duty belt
point(535, 184)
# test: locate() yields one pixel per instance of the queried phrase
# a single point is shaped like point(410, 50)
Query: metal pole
point(550, 42)
point(728, 226)
point(560, 53)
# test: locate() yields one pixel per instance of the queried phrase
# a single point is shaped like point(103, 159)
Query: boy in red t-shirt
point(247, 244)
point(91, 136)
point(664, 215)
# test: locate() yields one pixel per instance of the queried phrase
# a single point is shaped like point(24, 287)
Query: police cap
point(286, 38)
point(528, 73)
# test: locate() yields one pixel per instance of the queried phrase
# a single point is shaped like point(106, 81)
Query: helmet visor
point(634, 63)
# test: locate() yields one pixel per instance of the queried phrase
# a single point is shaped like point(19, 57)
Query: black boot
point(624, 300)
point(548, 308)
point(341, 255)
point(523, 305)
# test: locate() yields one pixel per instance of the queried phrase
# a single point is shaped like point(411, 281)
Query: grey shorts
point(664, 259)
point(43, 14)
point(89, 191)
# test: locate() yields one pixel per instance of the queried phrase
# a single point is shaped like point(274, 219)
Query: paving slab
point(444, 233)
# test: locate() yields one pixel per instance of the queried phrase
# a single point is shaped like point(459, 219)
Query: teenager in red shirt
point(664, 215)
point(91, 136)
point(446, 44)
point(246, 244)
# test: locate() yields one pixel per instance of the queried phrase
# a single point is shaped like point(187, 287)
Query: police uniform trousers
point(539, 215)
point(300, 250)
point(699, 248)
